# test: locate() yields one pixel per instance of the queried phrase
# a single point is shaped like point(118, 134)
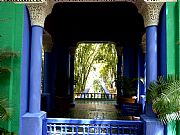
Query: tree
point(108, 56)
point(88, 54)
point(85, 56)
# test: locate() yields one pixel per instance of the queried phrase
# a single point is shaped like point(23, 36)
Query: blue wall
point(162, 47)
point(130, 61)
point(25, 66)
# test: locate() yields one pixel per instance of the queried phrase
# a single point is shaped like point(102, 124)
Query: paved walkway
point(93, 110)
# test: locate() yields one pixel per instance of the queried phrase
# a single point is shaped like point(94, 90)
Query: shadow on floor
point(86, 109)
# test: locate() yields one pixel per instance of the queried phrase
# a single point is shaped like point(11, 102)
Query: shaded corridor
point(87, 109)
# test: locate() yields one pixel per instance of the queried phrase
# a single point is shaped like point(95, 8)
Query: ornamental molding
point(42, 1)
point(133, 1)
point(150, 13)
point(39, 11)
point(41, 8)
point(47, 42)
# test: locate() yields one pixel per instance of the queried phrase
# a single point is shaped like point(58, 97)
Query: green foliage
point(88, 54)
point(84, 59)
point(164, 94)
point(97, 86)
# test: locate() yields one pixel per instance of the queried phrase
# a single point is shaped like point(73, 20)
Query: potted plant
point(126, 90)
point(164, 95)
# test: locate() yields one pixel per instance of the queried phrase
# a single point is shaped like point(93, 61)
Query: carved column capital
point(39, 11)
point(47, 42)
point(150, 13)
point(119, 50)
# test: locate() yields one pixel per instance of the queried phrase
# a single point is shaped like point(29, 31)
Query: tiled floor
point(94, 110)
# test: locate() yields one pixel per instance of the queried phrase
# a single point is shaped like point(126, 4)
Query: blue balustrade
point(68, 126)
point(95, 96)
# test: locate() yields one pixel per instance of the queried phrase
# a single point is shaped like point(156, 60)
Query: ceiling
point(118, 22)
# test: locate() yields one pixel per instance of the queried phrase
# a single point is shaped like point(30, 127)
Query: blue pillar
point(130, 61)
point(152, 125)
point(47, 63)
point(35, 69)
point(32, 121)
point(151, 61)
point(53, 74)
point(63, 69)
point(72, 78)
point(119, 72)
point(140, 73)
point(62, 89)
point(47, 82)
point(162, 49)
point(151, 54)
point(162, 57)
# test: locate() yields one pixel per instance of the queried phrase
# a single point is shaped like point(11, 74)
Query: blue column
point(162, 49)
point(72, 78)
point(140, 73)
point(32, 121)
point(151, 54)
point(152, 125)
point(162, 57)
point(119, 65)
point(53, 75)
point(130, 61)
point(47, 82)
point(35, 69)
point(63, 67)
point(151, 61)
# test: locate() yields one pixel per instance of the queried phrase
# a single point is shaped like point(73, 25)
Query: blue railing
point(95, 96)
point(66, 126)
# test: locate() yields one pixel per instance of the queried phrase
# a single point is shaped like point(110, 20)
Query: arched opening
point(70, 23)
point(95, 62)
point(95, 71)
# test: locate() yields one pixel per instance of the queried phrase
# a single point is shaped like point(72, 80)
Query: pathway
point(86, 109)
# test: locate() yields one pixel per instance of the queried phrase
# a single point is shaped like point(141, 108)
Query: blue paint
point(32, 123)
point(46, 71)
point(130, 61)
point(53, 73)
point(72, 78)
point(162, 55)
point(46, 101)
point(62, 72)
point(151, 54)
point(145, 76)
point(152, 126)
point(35, 69)
point(69, 74)
point(111, 126)
point(140, 73)
point(162, 52)
point(119, 72)
point(151, 61)
point(25, 68)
